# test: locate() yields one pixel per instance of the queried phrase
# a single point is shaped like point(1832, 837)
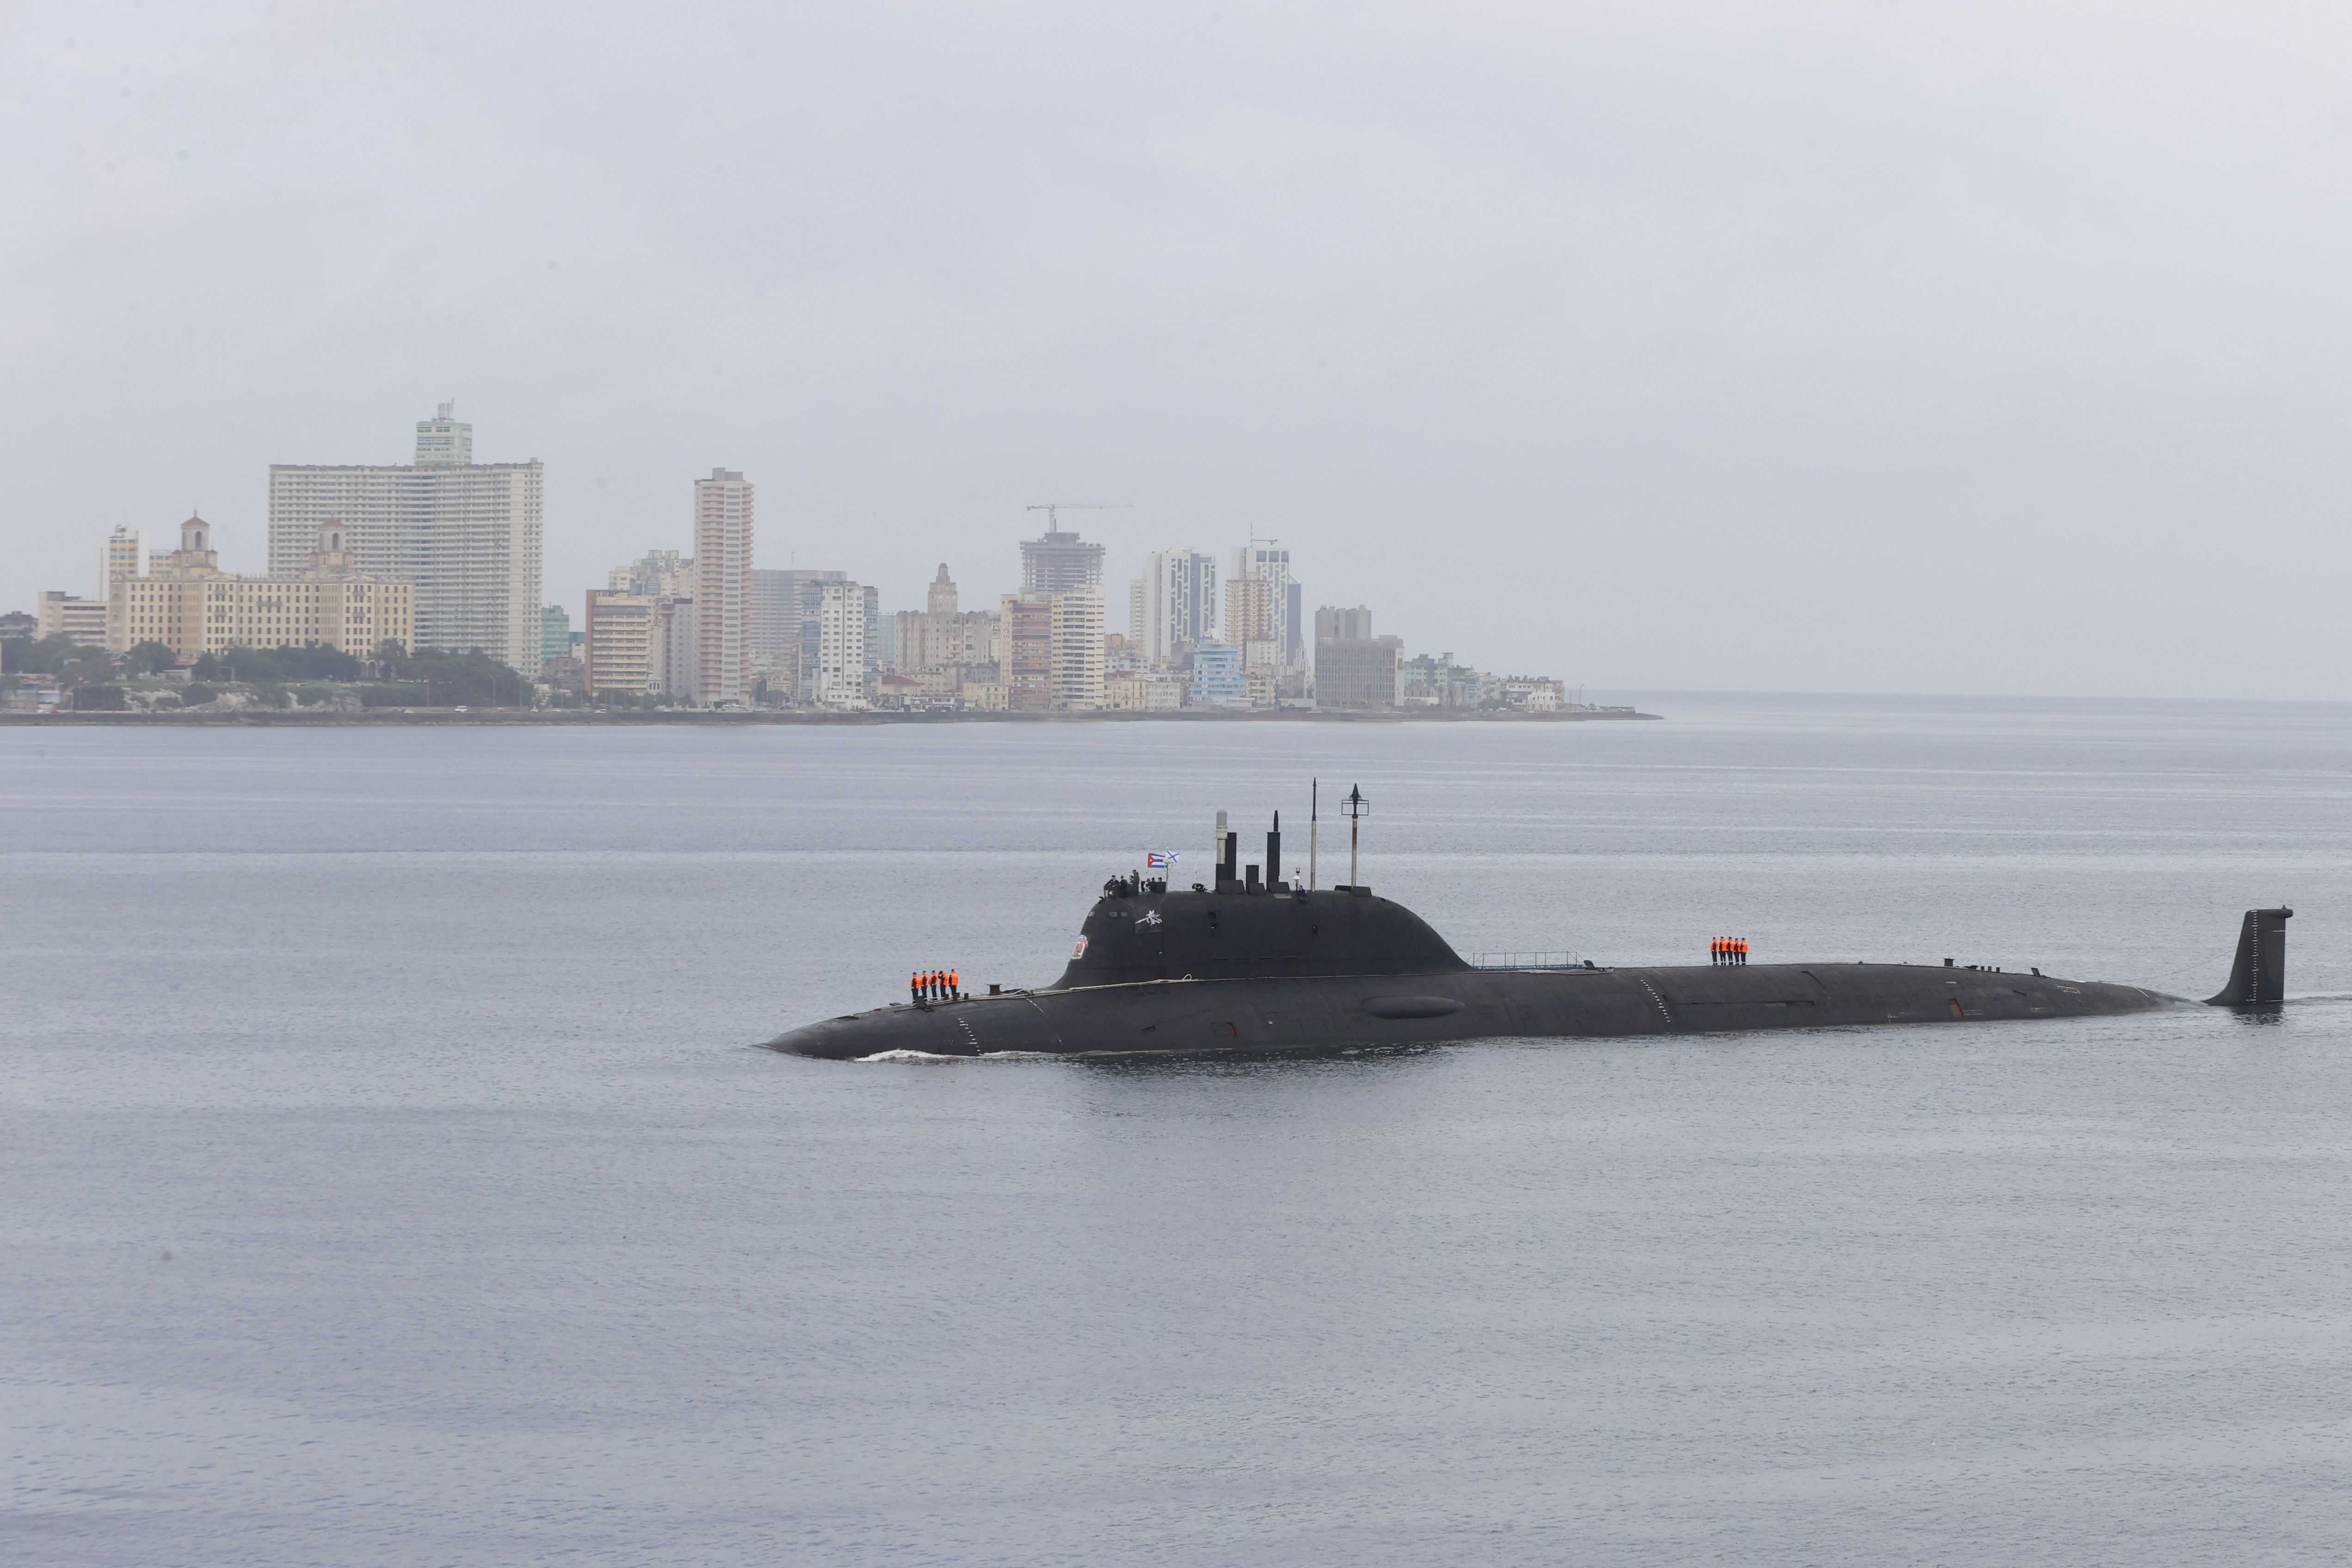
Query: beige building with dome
point(187, 602)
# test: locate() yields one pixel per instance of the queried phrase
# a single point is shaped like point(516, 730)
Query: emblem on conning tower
point(1147, 917)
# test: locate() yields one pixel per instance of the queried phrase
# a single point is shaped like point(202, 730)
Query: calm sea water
point(389, 1175)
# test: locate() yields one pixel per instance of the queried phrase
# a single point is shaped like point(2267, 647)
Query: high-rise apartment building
point(1172, 605)
point(1049, 649)
point(465, 535)
point(1265, 561)
point(1250, 614)
point(840, 659)
point(1025, 640)
point(1078, 656)
point(1058, 562)
point(723, 591)
point(122, 555)
point(618, 653)
point(677, 660)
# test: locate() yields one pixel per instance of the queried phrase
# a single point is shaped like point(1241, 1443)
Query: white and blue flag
point(1160, 860)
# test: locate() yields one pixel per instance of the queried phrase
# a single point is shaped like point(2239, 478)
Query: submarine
point(1250, 963)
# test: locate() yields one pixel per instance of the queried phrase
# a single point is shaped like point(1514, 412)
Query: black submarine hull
point(1254, 965)
point(1331, 1011)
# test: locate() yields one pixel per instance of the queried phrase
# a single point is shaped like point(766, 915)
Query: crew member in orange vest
point(955, 984)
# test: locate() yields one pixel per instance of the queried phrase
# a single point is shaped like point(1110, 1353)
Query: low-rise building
point(1533, 693)
point(1142, 691)
point(1436, 681)
point(32, 697)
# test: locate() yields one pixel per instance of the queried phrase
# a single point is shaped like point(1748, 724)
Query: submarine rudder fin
point(2258, 971)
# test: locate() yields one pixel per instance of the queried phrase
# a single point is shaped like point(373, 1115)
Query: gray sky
point(1871, 347)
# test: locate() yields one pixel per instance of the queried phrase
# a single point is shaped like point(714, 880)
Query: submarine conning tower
point(1245, 926)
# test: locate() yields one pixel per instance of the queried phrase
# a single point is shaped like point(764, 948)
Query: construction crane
point(1053, 508)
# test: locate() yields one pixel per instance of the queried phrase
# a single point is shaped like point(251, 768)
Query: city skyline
point(712, 629)
point(376, 498)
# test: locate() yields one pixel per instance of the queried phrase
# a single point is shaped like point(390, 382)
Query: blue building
point(555, 634)
point(1217, 677)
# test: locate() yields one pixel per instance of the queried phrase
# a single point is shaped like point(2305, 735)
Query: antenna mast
point(1314, 794)
point(1356, 806)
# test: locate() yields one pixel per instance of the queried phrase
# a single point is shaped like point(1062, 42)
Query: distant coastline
point(562, 716)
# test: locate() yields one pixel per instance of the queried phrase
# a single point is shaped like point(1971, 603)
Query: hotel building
point(187, 602)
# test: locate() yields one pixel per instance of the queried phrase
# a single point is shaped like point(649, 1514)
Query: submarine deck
point(1459, 1004)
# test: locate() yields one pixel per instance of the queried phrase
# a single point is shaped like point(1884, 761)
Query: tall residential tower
point(722, 589)
point(467, 535)
point(1173, 602)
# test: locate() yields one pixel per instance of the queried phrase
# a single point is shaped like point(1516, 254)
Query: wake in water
point(904, 1055)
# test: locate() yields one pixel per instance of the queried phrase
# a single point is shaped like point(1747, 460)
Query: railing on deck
point(1527, 960)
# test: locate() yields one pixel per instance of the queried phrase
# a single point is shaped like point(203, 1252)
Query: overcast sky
point(1863, 347)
